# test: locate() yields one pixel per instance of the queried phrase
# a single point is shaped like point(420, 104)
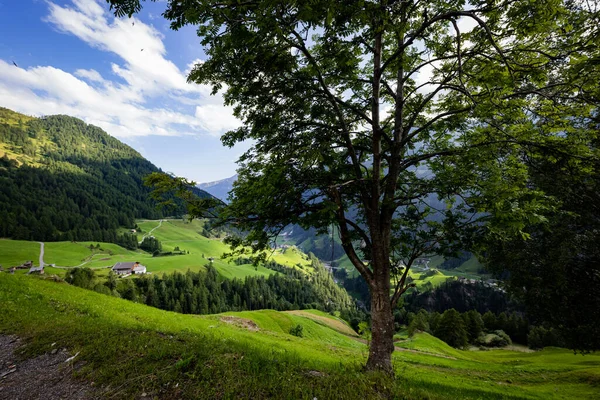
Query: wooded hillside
point(62, 179)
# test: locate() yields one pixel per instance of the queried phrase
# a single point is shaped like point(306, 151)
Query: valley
point(173, 233)
point(199, 324)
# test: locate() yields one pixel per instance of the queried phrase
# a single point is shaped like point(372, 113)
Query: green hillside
point(190, 237)
point(128, 349)
point(62, 179)
point(173, 233)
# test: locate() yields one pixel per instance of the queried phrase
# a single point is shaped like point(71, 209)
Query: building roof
point(36, 269)
point(125, 265)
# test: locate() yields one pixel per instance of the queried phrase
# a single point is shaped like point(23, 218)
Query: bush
point(497, 338)
point(82, 277)
point(297, 330)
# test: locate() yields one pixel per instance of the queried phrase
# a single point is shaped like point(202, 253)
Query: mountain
point(62, 179)
point(219, 189)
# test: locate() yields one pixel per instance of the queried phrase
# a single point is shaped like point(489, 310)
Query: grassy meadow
point(130, 348)
point(172, 233)
point(188, 237)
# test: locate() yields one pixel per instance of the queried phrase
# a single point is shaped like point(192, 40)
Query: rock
point(71, 358)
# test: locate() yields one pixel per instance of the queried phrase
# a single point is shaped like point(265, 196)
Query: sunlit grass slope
point(187, 236)
point(172, 234)
point(16, 252)
point(67, 254)
point(135, 349)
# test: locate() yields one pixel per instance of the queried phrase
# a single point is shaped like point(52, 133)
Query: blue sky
point(125, 75)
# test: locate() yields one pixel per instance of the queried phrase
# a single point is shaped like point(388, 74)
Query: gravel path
point(151, 230)
point(46, 377)
point(41, 254)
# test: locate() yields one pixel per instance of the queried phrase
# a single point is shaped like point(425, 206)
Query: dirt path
point(152, 230)
point(41, 254)
point(46, 377)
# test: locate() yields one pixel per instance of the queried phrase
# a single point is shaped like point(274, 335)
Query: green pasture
point(187, 236)
point(252, 354)
point(16, 252)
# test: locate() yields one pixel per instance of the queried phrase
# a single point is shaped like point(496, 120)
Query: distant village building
point(133, 231)
point(25, 265)
point(36, 270)
point(125, 268)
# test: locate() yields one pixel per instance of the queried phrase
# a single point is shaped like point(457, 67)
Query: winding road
point(42, 263)
point(152, 230)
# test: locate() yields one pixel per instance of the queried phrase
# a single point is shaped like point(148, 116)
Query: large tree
point(403, 124)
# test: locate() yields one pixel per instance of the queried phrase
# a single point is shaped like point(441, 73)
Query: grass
point(172, 233)
point(328, 320)
point(16, 252)
point(131, 348)
point(67, 254)
point(187, 237)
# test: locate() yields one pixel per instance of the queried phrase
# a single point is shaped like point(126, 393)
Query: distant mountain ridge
point(63, 179)
point(219, 189)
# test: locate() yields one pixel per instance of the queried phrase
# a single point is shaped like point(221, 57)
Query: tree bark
point(382, 328)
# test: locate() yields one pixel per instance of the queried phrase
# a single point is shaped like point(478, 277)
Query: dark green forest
point(205, 292)
point(62, 179)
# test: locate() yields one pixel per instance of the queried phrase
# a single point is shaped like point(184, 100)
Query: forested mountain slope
point(62, 179)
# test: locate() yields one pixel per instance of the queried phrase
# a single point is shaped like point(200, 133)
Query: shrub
point(297, 330)
point(497, 338)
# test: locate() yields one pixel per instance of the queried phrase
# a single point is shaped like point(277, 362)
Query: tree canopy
point(405, 124)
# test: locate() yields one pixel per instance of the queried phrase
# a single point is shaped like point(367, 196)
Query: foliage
point(540, 337)
point(151, 244)
point(206, 293)
point(420, 323)
point(364, 330)
point(297, 330)
point(82, 277)
point(496, 338)
point(451, 329)
point(461, 296)
point(557, 273)
point(79, 183)
point(473, 324)
point(387, 120)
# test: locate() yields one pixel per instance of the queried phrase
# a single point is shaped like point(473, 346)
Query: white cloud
point(89, 74)
point(117, 103)
point(216, 118)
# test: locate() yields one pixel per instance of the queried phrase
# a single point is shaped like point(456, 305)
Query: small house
point(25, 265)
point(125, 268)
point(36, 270)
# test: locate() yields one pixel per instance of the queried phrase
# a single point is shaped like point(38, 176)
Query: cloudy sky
point(127, 76)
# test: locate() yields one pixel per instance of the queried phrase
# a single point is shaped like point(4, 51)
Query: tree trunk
point(382, 329)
